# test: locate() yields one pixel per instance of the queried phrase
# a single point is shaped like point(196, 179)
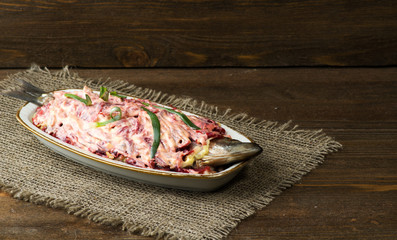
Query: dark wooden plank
point(21, 220)
point(198, 33)
point(303, 94)
point(352, 195)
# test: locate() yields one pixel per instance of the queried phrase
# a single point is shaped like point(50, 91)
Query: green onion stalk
point(87, 101)
point(156, 132)
point(112, 118)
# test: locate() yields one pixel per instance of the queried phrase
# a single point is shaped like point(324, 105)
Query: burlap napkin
point(30, 171)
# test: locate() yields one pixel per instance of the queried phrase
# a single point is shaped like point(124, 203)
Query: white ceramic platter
point(186, 181)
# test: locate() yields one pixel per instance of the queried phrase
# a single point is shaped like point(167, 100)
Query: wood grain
point(352, 195)
point(198, 33)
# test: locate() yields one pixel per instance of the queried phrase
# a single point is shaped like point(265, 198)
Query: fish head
point(225, 151)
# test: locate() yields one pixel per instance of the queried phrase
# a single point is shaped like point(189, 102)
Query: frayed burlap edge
point(326, 143)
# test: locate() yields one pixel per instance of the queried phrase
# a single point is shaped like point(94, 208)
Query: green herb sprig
point(184, 118)
point(112, 118)
point(156, 125)
point(117, 95)
point(87, 101)
point(104, 93)
point(156, 132)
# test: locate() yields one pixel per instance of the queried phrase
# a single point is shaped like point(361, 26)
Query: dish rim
point(113, 163)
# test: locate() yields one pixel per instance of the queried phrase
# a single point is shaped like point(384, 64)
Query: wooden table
point(353, 195)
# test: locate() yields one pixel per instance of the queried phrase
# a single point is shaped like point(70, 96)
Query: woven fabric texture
point(32, 172)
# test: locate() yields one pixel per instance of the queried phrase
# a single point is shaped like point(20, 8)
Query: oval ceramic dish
point(186, 181)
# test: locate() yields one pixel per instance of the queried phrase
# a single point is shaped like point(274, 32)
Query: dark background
point(198, 33)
